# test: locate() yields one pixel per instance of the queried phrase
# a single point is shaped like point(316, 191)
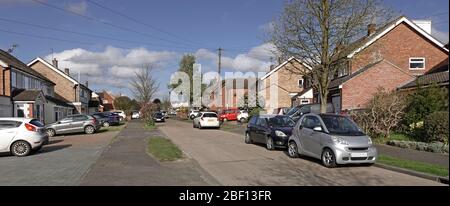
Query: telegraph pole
point(220, 59)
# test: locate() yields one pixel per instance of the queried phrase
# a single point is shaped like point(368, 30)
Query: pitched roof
point(360, 44)
point(58, 101)
point(12, 61)
point(54, 69)
point(337, 82)
point(440, 78)
point(441, 67)
point(281, 66)
point(27, 95)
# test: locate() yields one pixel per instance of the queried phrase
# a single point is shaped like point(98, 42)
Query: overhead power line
point(45, 37)
point(103, 22)
point(141, 22)
point(90, 35)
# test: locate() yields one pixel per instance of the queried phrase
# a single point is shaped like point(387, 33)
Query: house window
point(304, 101)
point(300, 83)
point(416, 63)
point(13, 79)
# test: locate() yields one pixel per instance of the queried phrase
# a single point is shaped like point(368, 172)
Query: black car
point(159, 117)
point(107, 118)
point(102, 118)
point(271, 130)
point(297, 112)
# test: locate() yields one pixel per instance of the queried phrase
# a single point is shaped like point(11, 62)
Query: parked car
point(135, 115)
point(229, 115)
point(113, 118)
point(334, 139)
point(102, 118)
point(166, 115)
point(281, 110)
point(122, 114)
point(297, 112)
point(21, 136)
point(206, 119)
point(158, 117)
point(74, 124)
point(271, 130)
point(193, 114)
point(242, 116)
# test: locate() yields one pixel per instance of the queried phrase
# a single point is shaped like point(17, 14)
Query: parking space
point(64, 161)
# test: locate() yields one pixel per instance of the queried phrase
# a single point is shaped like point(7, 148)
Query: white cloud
point(79, 8)
point(440, 35)
point(257, 59)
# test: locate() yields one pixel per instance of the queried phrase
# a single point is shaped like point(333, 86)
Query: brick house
point(23, 91)
point(388, 58)
point(288, 82)
point(67, 88)
point(107, 100)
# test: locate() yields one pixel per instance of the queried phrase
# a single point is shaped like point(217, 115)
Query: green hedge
point(436, 128)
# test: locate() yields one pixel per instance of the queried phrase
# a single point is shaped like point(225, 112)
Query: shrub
point(436, 147)
point(254, 111)
point(436, 128)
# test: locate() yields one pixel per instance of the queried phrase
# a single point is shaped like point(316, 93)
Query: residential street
point(227, 158)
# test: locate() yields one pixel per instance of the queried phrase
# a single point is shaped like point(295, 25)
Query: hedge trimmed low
point(436, 147)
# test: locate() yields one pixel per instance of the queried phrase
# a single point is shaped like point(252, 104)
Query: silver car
point(334, 139)
point(74, 124)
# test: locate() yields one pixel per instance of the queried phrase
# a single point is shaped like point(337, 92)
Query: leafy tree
point(315, 31)
point(123, 103)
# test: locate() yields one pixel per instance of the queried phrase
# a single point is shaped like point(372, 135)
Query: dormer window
point(300, 83)
point(416, 63)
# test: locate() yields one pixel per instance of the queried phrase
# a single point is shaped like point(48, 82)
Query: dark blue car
point(271, 130)
point(107, 118)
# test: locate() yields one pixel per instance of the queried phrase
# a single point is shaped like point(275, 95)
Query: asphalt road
point(226, 157)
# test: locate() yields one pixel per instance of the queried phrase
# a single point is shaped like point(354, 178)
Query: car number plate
point(358, 154)
point(158, 119)
point(210, 120)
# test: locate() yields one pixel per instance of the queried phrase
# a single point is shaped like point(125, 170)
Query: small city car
point(21, 136)
point(159, 117)
point(242, 116)
point(229, 115)
point(135, 115)
point(206, 119)
point(334, 139)
point(193, 114)
point(271, 130)
point(74, 124)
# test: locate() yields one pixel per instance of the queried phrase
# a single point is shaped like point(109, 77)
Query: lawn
point(394, 136)
point(414, 165)
point(163, 149)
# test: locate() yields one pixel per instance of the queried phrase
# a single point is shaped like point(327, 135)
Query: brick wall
point(398, 46)
point(63, 87)
point(357, 91)
point(7, 82)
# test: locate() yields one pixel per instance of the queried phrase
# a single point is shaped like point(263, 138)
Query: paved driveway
point(229, 160)
point(63, 162)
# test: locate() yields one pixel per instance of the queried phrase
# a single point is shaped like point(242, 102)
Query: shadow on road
point(50, 148)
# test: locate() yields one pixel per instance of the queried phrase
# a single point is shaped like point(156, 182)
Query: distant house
point(67, 88)
point(107, 100)
point(290, 85)
point(23, 91)
point(233, 92)
point(95, 105)
point(437, 76)
point(387, 57)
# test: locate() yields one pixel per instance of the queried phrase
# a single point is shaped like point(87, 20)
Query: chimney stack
point(371, 28)
point(67, 71)
point(55, 62)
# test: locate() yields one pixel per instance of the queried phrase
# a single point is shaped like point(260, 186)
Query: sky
point(106, 41)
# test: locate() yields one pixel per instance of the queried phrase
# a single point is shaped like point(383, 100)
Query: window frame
point(301, 85)
point(415, 58)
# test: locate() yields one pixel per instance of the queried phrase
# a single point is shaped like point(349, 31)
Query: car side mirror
point(317, 129)
point(300, 127)
point(58, 122)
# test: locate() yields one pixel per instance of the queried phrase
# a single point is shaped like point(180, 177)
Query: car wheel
point(105, 124)
point(225, 119)
point(269, 143)
point(292, 149)
point(248, 139)
point(89, 130)
point(20, 148)
point(328, 158)
point(192, 116)
point(50, 132)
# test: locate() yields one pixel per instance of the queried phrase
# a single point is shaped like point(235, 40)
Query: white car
point(135, 115)
point(193, 113)
point(21, 136)
point(242, 116)
point(122, 114)
point(206, 119)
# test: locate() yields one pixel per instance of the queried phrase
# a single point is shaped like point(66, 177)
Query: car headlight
point(338, 140)
point(280, 133)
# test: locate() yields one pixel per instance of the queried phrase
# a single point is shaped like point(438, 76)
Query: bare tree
point(143, 85)
point(315, 32)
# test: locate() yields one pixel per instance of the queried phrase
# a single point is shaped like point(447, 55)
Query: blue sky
point(172, 28)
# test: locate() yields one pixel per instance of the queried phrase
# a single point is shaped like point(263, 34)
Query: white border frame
point(417, 69)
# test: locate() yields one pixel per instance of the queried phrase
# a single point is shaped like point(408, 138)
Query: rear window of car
point(6, 124)
point(36, 123)
point(80, 118)
point(209, 115)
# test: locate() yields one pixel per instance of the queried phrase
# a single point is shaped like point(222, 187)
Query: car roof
point(22, 119)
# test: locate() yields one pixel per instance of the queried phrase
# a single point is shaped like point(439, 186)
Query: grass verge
point(414, 165)
point(113, 128)
point(163, 149)
point(150, 127)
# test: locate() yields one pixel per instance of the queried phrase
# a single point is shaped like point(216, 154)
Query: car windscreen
point(281, 121)
point(209, 115)
point(292, 111)
point(158, 115)
point(36, 123)
point(340, 125)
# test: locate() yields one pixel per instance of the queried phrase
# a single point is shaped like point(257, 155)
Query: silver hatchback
point(74, 124)
point(334, 139)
